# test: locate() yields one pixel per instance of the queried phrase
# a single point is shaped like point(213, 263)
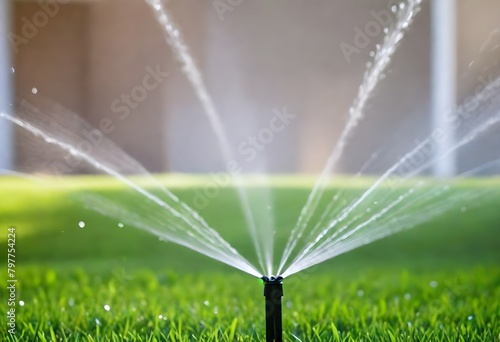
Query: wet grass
point(439, 282)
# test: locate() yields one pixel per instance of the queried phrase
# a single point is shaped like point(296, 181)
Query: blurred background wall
point(108, 59)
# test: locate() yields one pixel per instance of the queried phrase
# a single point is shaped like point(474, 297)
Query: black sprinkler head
point(272, 280)
point(273, 291)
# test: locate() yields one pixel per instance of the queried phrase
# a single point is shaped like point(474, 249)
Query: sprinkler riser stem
point(273, 292)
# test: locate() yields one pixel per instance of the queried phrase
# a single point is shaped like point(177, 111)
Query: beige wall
point(479, 31)
point(125, 44)
point(53, 60)
point(263, 55)
point(91, 54)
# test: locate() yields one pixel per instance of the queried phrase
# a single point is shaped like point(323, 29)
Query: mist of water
point(259, 219)
point(373, 75)
point(401, 198)
point(159, 212)
point(398, 200)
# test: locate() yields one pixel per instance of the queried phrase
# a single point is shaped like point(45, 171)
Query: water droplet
point(372, 53)
point(407, 296)
point(216, 310)
point(160, 316)
point(13, 70)
point(402, 5)
point(386, 30)
point(176, 33)
point(433, 284)
point(361, 293)
point(97, 321)
point(207, 303)
point(81, 224)
point(34, 90)
point(394, 9)
point(21, 303)
point(107, 307)
point(409, 324)
point(120, 225)
point(71, 302)
point(470, 318)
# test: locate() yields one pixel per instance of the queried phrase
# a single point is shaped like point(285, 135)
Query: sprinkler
point(273, 291)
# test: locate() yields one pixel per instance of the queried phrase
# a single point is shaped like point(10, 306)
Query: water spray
point(273, 291)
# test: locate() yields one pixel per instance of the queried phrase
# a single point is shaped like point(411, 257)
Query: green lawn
point(438, 282)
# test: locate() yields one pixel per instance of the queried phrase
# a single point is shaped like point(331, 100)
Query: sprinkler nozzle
point(273, 291)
